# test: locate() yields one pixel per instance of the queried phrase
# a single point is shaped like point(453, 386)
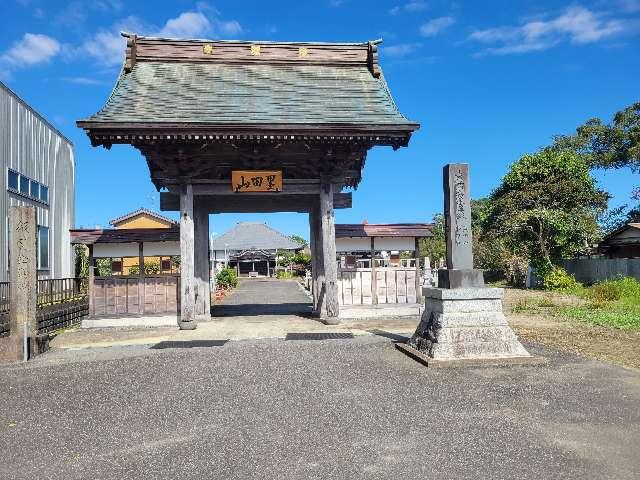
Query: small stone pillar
point(462, 318)
point(23, 295)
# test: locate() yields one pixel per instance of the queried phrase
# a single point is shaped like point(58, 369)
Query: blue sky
point(487, 80)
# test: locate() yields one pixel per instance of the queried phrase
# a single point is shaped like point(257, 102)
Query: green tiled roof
point(258, 93)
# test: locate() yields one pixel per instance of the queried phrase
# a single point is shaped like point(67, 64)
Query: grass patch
point(611, 303)
point(534, 305)
point(607, 315)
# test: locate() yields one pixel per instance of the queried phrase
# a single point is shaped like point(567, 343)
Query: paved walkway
point(339, 409)
point(263, 297)
point(257, 309)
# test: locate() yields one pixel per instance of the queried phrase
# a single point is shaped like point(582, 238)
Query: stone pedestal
point(465, 323)
point(460, 278)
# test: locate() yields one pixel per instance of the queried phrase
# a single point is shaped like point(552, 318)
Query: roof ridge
point(376, 41)
point(140, 211)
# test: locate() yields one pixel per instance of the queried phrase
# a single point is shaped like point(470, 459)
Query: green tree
point(103, 267)
point(82, 261)
point(610, 145)
point(299, 239)
point(546, 207)
point(434, 247)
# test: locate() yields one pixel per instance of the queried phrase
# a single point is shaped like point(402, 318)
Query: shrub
point(284, 274)
point(623, 288)
point(559, 280)
point(150, 268)
point(227, 278)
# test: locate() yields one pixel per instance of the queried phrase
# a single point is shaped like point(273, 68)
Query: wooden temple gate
point(219, 122)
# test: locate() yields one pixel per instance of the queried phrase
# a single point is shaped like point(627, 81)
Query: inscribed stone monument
point(462, 318)
point(22, 274)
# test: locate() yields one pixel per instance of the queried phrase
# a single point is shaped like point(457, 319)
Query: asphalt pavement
point(334, 409)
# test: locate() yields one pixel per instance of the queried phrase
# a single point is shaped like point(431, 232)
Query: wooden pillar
point(374, 274)
point(317, 264)
point(201, 260)
point(141, 289)
point(329, 254)
point(418, 276)
point(187, 281)
point(90, 280)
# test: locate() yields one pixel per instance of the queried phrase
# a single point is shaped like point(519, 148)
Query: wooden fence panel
point(119, 296)
point(401, 286)
point(393, 285)
point(365, 287)
point(412, 294)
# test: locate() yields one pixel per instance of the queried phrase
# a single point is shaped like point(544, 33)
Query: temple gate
point(230, 126)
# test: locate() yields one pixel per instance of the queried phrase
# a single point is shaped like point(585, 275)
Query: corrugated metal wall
point(32, 147)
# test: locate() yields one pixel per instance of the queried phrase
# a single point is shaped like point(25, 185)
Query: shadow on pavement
point(255, 309)
point(188, 344)
point(393, 336)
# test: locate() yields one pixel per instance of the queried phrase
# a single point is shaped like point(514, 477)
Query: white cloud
point(400, 50)
point(408, 7)
point(435, 26)
point(229, 28)
point(34, 48)
point(186, 25)
point(577, 25)
point(83, 81)
point(629, 6)
point(108, 46)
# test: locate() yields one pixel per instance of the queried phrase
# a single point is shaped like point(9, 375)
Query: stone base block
point(11, 349)
point(460, 278)
point(330, 320)
point(465, 323)
point(191, 325)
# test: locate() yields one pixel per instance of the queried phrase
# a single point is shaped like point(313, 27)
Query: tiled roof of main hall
point(250, 83)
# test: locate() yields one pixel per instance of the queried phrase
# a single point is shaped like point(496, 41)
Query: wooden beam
point(288, 188)
point(329, 255)
point(187, 282)
point(265, 203)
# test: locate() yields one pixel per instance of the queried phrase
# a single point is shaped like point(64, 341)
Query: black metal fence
point(61, 302)
point(4, 309)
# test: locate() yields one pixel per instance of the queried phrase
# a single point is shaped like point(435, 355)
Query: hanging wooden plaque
point(256, 181)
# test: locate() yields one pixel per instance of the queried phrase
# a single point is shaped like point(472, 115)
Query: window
point(35, 189)
point(12, 180)
point(24, 185)
point(18, 183)
point(165, 265)
point(43, 248)
point(116, 265)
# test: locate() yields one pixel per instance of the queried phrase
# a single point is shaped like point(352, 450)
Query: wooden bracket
point(372, 60)
point(130, 52)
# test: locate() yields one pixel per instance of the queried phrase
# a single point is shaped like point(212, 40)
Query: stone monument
point(23, 328)
point(462, 319)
